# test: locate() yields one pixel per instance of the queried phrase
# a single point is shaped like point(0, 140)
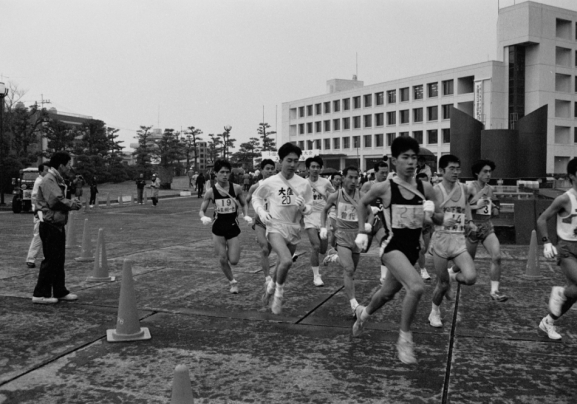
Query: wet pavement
point(238, 351)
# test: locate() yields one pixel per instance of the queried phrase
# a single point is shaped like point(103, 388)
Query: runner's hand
point(248, 219)
point(362, 241)
point(265, 217)
point(549, 250)
point(429, 206)
point(323, 233)
point(300, 201)
point(375, 210)
point(449, 221)
point(206, 220)
point(368, 227)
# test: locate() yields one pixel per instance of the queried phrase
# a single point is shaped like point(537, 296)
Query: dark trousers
point(92, 198)
point(139, 192)
point(200, 190)
point(51, 276)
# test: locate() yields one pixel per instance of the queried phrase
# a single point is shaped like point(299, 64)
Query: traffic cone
point(127, 324)
point(532, 269)
point(70, 233)
point(86, 255)
point(86, 205)
point(100, 272)
point(181, 388)
point(144, 196)
point(96, 202)
point(108, 200)
point(120, 199)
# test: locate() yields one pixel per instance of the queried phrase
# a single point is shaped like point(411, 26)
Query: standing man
point(321, 189)
point(193, 180)
point(229, 200)
point(246, 181)
point(155, 185)
point(140, 184)
point(408, 203)
point(200, 181)
point(93, 191)
point(448, 240)
point(289, 198)
point(36, 242)
point(51, 201)
point(565, 208)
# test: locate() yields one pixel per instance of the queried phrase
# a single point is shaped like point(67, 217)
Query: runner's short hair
point(287, 149)
point(380, 164)
point(220, 163)
point(350, 168)
point(402, 144)
point(478, 166)
point(335, 174)
point(446, 159)
point(267, 162)
point(59, 158)
point(315, 159)
point(572, 167)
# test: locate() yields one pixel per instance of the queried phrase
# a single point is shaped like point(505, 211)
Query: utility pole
point(3, 94)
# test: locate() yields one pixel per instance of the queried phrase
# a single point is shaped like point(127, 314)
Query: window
point(446, 135)
point(390, 138)
point(448, 87)
point(433, 113)
point(368, 121)
point(309, 127)
point(301, 112)
point(356, 141)
point(418, 135)
point(336, 105)
point(392, 97)
point(327, 125)
point(327, 106)
point(309, 110)
point(346, 104)
point(574, 135)
point(346, 123)
point(317, 144)
point(336, 124)
point(356, 122)
point(327, 144)
point(418, 92)
point(336, 143)
point(446, 111)
point(379, 119)
point(368, 139)
point(432, 136)
point(301, 128)
point(318, 110)
point(379, 98)
point(404, 134)
point(404, 116)
point(346, 143)
point(318, 126)
point(357, 102)
point(404, 94)
point(379, 140)
point(433, 90)
point(368, 100)
point(391, 118)
point(302, 144)
point(418, 115)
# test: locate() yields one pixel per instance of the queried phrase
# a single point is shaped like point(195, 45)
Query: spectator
point(36, 241)
point(93, 191)
point(78, 184)
point(200, 181)
point(140, 183)
point(155, 185)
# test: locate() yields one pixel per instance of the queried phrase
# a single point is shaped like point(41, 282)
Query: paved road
point(237, 351)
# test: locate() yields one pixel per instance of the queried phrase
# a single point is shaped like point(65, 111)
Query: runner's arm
point(259, 196)
point(330, 202)
point(376, 191)
point(241, 198)
point(432, 195)
point(251, 191)
point(205, 202)
point(555, 208)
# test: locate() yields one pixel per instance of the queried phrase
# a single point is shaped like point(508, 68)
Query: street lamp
point(3, 94)
point(226, 134)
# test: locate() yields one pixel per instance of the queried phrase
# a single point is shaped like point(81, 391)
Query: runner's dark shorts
point(484, 229)
point(410, 251)
point(226, 229)
point(566, 250)
point(258, 222)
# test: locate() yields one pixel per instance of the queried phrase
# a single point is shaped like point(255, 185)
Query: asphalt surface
point(238, 351)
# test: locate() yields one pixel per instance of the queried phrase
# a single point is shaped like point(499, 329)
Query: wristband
point(363, 232)
point(545, 239)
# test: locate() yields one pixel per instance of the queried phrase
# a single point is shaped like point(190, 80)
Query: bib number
point(407, 216)
point(225, 205)
point(485, 210)
point(347, 212)
point(458, 215)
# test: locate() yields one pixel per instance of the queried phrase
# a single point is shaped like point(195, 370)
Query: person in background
point(78, 183)
point(93, 191)
point(200, 181)
point(36, 242)
point(155, 185)
point(140, 184)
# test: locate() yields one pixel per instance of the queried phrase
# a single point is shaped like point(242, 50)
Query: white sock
point(406, 336)
point(364, 314)
point(354, 303)
point(233, 282)
point(270, 287)
point(279, 290)
point(452, 274)
point(268, 279)
point(384, 271)
point(435, 308)
point(494, 286)
point(549, 319)
point(316, 271)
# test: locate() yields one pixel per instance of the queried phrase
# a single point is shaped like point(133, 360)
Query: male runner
point(228, 199)
point(425, 239)
point(289, 197)
point(321, 189)
point(408, 203)
point(565, 208)
point(448, 241)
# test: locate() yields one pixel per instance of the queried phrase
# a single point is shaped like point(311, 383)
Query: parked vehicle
point(22, 200)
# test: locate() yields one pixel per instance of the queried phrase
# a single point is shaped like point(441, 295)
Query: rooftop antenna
point(356, 65)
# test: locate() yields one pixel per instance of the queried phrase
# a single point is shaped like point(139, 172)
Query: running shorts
point(448, 245)
point(347, 239)
point(225, 228)
point(484, 229)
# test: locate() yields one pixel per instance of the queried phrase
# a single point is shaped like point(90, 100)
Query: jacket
point(51, 199)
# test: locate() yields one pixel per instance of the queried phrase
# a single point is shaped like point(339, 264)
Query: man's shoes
point(498, 296)
point(318, 281)
point(31, 265)
point(550, 329)
point(557, 300)
point(435, 319)
point(70, 297)
point(91, 206)
point(276, 305)
point(234, 288)
point(405, 351)
point(359, 325)
point(425, 275)
point(44, 300)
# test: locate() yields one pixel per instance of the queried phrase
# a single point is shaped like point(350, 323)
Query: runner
point(289, 197)
point(425, 239)
point(448, 241)
point(321, 189)
point(228, 199)
point(564, 207)
point(408, 203)
point(482, 208)
point(336, 181)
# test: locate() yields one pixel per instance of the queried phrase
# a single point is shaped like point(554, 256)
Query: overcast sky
point(212, 63)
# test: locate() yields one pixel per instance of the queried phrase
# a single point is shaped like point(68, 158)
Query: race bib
point(485, 210)
point(458, 214)
point(347, 212)
point(318, 201)
point(407, 216)
point(226, 205)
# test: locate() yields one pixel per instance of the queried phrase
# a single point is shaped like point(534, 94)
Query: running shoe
point(233, 288)
point(550, 329)
point(499, 297)
point(435, 319)
point(425, 275)
point(276, 305)
point(266, 296)
point(557, 300)
point(44, 300)
point(359, 325)
point(330, 258)
point(318, 281)
point(406, 351)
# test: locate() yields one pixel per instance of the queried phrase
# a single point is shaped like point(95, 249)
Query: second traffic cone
point(86, 255)
point(108, 200)
point(96, 202)
point(181, 388)
point(532, 268)
point(127, 323)
point(100, 272)
point(70, 233)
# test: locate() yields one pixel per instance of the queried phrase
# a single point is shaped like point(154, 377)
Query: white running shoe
point(425, 275)
point(234, 288)
point(276, 305)
point(359, 325)
point(318, 281)
point(330, 258)
point(405, 351)
point(435, 319)
point(266, 296)
point(550, 329)
point(557, 300)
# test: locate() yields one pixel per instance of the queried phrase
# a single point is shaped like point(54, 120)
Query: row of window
point(368, 100)
point(353, 142)
point(370, 120)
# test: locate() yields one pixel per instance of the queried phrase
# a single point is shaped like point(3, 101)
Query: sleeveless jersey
point(403, 217)
point(567, 225)
point(224, 206)
point(265, 199)
point(347, 219)
point(453, 209)
point(320, 188)
point(483, 214)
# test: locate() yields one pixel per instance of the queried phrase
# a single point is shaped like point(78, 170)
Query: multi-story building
point(203, 160)
point(537, 48)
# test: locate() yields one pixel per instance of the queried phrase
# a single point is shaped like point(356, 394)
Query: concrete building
point(537, 48)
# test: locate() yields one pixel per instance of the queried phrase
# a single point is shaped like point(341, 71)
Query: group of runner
point(398, 211)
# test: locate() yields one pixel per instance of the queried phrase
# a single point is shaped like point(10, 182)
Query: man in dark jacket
point(52, 202)
point(140, 183)
point(200, 180)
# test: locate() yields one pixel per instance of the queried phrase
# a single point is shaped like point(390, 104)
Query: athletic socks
point(435, 308)
point(406, 335)
point(364, 314)
point(268, 279)
point(279, 290)
point(270, 287)
point(384, 271)
point(315, 271)
point(494, 286)
point(354, 304)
